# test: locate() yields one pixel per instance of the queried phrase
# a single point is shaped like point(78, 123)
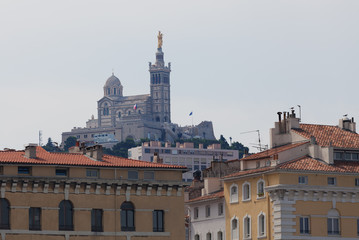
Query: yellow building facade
point(305, 187)
point(87, 196)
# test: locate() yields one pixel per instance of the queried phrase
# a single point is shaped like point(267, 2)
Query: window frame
point(208, 211)
point(244, 192)
point(195, 213)
point(234, 231)
point(127, 223)
point(233, 195)
point(262, 225)
point(334, 181)
point(21, 170)
point(247, 227)
point(134, 172)
point(96, 220)
point(301, 178)
point(35, 224)
point(66, 223)
point(5, 210)
point(302, 225)
point(220, 209)
point(260, 195)
point(92, 171)
point(61, 169)
point(158, 220)
point(331, 221)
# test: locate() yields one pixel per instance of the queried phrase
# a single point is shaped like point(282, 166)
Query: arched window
point(260, 188)
point(234, 193)
point(66, 215)
point(247, 227)
point(108, 91)
point(234, 229)
point(246, 191)
point(4, 214)
point(333, 222)
point(129, 112)
point(119, 114)
point(127, 216)
point(209, 236)
point(114, 91)
point(220, 235)
point(196, 237)
point(261, 225)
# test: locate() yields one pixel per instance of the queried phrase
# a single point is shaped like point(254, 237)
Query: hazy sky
point(235, 63)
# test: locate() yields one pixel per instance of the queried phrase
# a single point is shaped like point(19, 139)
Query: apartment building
point(183, 155)
point(88, 195)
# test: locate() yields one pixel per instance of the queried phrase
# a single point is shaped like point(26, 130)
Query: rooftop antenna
point(300, 113)
point(40, 138)
point(259, 139)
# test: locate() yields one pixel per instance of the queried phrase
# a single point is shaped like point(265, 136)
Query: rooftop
point(215, 195)
point(73, 159)
point(329, 135)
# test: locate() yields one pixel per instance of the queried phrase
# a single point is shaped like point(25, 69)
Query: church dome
point(113, 87)
point(112, 81)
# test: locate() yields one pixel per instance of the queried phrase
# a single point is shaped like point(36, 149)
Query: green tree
point(50, 146)
point(121, 148)
point(70, 142)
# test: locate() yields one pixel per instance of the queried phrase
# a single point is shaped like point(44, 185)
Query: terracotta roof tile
point(326, 134)
point(309, 164)
point(270, 152)
point(215, 195)
point(46, 158)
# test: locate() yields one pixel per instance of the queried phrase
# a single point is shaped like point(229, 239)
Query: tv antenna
point(40, 138)
point(259, 146)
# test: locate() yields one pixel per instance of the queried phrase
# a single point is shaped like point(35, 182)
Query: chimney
point(156, 158)
point(347, 124)
point(95, 152)
point(200, 146)
point(178, 145)
point(30, 150)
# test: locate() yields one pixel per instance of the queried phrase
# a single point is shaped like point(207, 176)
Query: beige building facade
point(88, 195)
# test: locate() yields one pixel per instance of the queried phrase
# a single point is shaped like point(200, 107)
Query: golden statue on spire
point(159, 39)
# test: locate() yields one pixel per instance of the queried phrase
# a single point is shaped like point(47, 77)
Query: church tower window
point(119, 114)
point(108, 91)
point(114, 91)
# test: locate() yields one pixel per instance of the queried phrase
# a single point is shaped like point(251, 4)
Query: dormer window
point(348, 156)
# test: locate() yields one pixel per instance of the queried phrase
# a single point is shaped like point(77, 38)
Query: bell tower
point(160, 86)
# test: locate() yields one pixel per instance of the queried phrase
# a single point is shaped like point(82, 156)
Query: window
point(108, 91)
point(303, 179)
point(1, 170)
point(158, 221)
point(196, 237)
point(220, 235)
point(93, 173)
point(129, 112)
point(66, 216)
point(333, 226)
point(246, 192)
point(260, 188)
point(195, 213)
point(61, 172)
point(332, 181)
point(338, 155)
point(247, 227)
point(208, 236)
point(261, 225)
point(127, 216)
point(304, 225)
point(34, 218)
point(234, 193)
point(149, 175)
point(133, 175)
point(96, 220)
point(234, 229)
point(24, 170)
point(333, 222)
point(220, 209)
point(4, 213)
point(85, 136)
point(119, 114)
point(114, 91)
point(208, 211)
point(358, 227)
point(357, 182)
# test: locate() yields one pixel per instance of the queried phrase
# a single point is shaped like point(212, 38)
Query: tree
point(121, 148)
point(70, 142)
point(50, 146)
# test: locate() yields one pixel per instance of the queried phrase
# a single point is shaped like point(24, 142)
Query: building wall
point(44, 190)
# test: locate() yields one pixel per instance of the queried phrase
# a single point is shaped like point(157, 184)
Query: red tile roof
point(46, 158)
point(270, 152)
point(211, 196)
point(326, 135)
point(309, 164)
point(251, 171)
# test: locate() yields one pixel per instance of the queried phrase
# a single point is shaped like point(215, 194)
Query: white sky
point(235, 63)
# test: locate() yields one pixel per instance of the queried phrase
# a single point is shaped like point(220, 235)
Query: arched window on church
point(114, 91)
point(108, 91)
point(119, 114)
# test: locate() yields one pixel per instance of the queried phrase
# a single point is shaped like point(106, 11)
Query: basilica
point(146, 116)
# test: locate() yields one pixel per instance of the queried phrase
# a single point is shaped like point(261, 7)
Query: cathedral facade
point(146, 116)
